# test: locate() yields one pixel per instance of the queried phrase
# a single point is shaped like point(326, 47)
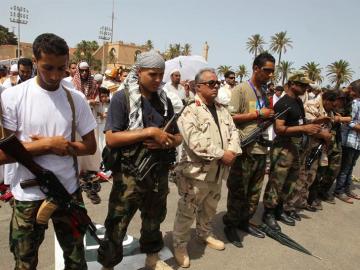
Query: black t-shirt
point(152, 111)
point(213, 112)
point(295, 116)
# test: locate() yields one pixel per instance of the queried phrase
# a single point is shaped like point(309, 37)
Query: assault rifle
point(255, 134)
point(145, 159)
point(48, 182)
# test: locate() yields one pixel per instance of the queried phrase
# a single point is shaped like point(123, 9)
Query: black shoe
point(269, 220)
point(284, 218)
point(310, 208)
point(232, 236)
point(252, 230)
point(293, 215)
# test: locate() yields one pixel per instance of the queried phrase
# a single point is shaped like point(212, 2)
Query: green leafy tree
point(221, 70)
point(339, 72)
point(186, 49)
point(280, 43)
point(7, 37)
point(314, 71)
point(255, 44)
point(242, 72)
point(84, 52)
point(284, 69)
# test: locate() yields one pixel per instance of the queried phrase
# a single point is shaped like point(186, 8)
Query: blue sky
point(321, 30)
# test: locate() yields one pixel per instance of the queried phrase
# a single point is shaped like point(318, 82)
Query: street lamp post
point(19, 15)
point(105, 34)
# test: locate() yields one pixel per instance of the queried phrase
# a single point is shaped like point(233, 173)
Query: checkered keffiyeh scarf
point(135, 114)
point(88, 88)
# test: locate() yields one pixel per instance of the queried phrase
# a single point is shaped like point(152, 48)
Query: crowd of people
point(192, 131)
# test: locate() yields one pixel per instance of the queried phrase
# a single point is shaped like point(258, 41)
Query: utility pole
point(19, 15)
point(112, 22)
point(105, 34)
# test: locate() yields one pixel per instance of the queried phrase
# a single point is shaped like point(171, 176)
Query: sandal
point(343, 197)
point(353, 195)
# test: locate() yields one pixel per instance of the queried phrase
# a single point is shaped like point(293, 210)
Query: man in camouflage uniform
point(249, 106)
point(136, 113)
point(327, 174)
point(211, 143)
point(316, 109)
point(43, 107)
point(286, 153)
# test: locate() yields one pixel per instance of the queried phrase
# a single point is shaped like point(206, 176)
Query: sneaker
point(7, 196)
point(214, 243)
point(153, 262)
point(182, 257)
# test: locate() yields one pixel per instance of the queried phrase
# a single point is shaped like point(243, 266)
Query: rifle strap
point(73, 126)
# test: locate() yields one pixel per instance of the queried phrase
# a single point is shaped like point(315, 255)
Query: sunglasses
point(268, 70)
point(301, 84)
point(231, 78)
point(83, 70)
point(211, 83)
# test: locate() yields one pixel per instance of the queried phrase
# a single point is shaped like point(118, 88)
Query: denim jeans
point(348, 161)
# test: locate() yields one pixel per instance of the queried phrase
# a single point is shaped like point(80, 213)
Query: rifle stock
point(47, 181)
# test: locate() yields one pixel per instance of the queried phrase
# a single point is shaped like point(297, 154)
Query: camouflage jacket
point(203, 144)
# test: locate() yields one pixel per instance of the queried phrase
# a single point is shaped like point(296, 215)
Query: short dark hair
point(262, 58)
point(50, 44)
point(279, 88)
point(228, 73)
point(25, 62)
point(72, 63)
point(355, 85)
point(330, 95)
point(104, 90)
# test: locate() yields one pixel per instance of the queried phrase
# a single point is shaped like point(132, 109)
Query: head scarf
point(88, 87)
point(145, 60)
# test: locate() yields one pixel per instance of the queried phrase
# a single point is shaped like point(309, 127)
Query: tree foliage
point(84, 52)
point(314, 71)
point(242, 72)
point(280, 43)
point(176, 49)
point(284, 69)
point(221, 70)
point(255, 44)
point(7, 37)
point(339, 72)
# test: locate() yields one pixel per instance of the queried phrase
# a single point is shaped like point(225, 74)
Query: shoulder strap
point(127, 98)
point(73, 125)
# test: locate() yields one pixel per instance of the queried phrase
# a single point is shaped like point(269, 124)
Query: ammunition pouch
point(46, 210)
point(111, 159)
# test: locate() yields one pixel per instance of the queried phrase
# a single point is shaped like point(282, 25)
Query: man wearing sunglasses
point(249, 106)
point(224, 95)
point(211, 143)
point(287, 153)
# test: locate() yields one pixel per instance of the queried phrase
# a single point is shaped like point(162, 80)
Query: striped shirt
point(350, 137)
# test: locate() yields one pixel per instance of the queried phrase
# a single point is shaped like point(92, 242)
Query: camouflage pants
point(198, 199)
point(285, 161)
point(244, 188)
point(126, 197)
point(26, 236)
point(300, 194)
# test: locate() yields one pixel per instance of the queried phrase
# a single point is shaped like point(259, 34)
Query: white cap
point(14, 68)
point(98, 77)
point(84, 65)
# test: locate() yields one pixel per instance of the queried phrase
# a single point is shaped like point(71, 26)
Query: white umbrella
point(188, 66)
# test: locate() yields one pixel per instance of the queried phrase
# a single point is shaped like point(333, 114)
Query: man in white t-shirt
point(175, 91)
point(224, 93)
point(38, 111)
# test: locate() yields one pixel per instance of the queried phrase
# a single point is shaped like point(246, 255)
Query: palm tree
point(255, 44)
point(280, 43)
point(284, 68)
point(223, 69)
point(314, 71)
point(186, 49)
point(149, 45)
point(242, 72)
point(339, 72)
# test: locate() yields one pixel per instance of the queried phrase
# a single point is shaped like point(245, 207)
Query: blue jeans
point(348, 161)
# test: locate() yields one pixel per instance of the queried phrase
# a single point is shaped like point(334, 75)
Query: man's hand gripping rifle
point(256, 133)
point(49, 184)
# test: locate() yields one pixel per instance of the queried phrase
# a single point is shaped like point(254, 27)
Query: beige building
point(10, 51)
point(118, 54)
